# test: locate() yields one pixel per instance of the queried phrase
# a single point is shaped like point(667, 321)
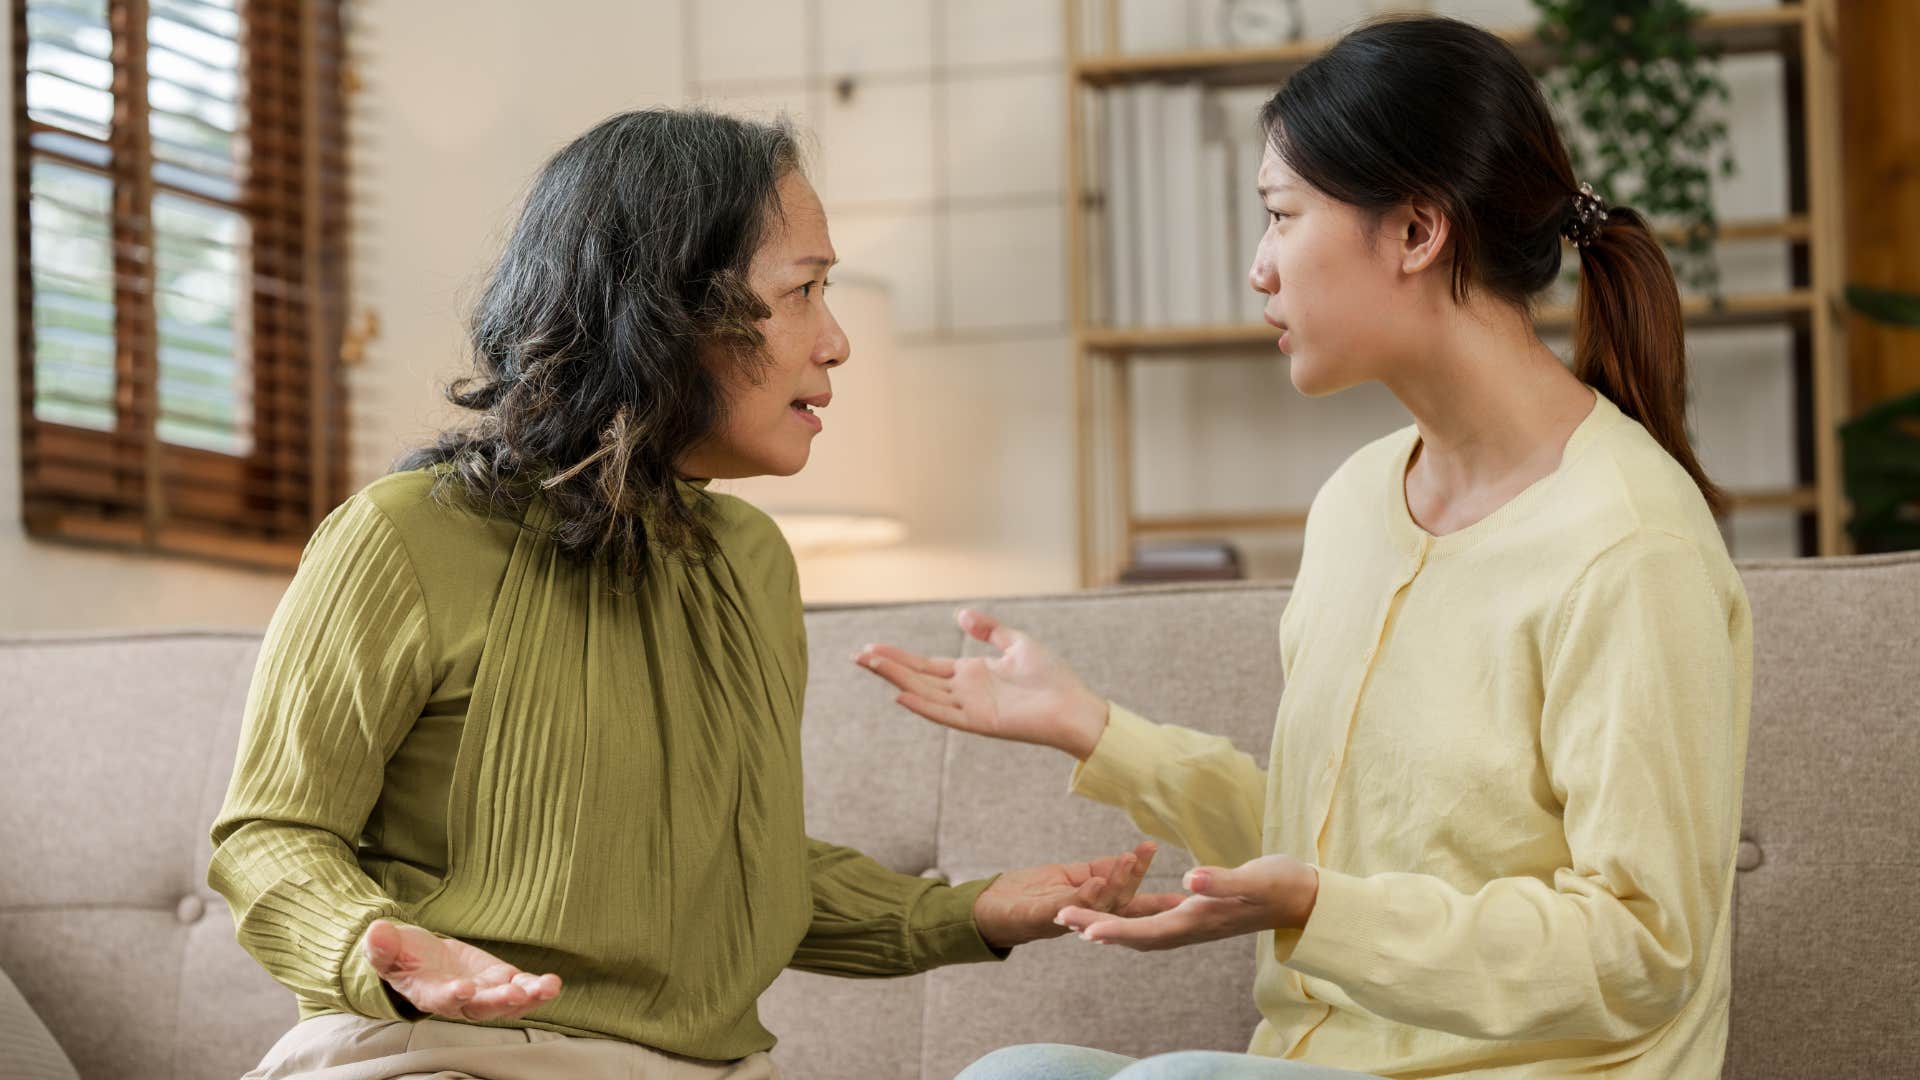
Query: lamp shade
point(848, 496)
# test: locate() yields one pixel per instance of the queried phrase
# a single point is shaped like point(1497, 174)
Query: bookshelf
point(1107, 353)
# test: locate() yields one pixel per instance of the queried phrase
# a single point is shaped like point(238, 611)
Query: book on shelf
point(1149, 177)
point(1180, 212)
point(1248, 142)
point(1215, 271)
point(1181, 215)
point(1121, 209)
point(1188, 560)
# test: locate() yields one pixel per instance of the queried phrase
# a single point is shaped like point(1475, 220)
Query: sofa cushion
point(1824, 905)
point(120, 746)
point(1205, 657)
point(27, 1049)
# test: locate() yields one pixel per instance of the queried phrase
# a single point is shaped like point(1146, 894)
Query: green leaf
point(1885, 305)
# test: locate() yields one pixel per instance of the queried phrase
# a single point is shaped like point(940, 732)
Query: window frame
point(127, 488)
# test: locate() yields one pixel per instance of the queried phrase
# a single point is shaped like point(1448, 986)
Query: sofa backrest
point(114, 756)
point(117, 750)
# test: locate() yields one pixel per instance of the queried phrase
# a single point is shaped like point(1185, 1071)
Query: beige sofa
point(117, 749)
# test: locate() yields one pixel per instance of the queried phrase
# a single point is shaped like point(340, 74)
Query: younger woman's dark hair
point(1441, 110)
point(593, 340)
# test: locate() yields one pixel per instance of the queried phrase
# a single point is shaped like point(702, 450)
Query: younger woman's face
point(1334, 282)
point(772, 409)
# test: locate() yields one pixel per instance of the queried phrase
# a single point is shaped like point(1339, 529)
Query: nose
point(1262, 276)
point(833, 348)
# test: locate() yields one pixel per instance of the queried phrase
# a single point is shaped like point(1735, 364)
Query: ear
point(1422, 232)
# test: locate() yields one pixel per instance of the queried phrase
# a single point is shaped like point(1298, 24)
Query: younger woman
point(1496, 832)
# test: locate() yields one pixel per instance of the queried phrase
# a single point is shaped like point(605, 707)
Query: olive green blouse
point(452, 725)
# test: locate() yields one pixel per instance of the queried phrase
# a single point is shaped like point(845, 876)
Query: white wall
point(462, 101)
point(942, 174)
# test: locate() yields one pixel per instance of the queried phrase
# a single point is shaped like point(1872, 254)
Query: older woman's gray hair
point(592, 338)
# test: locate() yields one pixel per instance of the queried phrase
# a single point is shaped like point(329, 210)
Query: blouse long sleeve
point(869, 921)
point(343, 672)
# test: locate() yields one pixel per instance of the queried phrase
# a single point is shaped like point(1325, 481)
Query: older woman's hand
point(1021, 905)
point(445, 977)
point(1273, 892)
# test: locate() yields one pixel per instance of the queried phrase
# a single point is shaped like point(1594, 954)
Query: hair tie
point(1587, 216)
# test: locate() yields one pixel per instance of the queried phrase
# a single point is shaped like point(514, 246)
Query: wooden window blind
point(181, 180)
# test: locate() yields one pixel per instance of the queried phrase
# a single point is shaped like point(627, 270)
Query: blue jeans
point(1053, 1061)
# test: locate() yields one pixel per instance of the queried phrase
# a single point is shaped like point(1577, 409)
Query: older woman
point(519, 791)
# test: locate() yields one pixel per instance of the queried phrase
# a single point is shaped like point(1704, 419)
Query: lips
point(803, 408)
point(1285, 334)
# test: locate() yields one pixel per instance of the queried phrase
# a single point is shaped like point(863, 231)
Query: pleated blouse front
point(453, 725)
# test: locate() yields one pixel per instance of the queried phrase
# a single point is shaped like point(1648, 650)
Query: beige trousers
point(341, 1047)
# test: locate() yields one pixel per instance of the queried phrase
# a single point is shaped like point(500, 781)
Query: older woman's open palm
point(1025, 694)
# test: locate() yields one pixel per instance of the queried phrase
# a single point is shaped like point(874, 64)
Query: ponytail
point(1628, 339)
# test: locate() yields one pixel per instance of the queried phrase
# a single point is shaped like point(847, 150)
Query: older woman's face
point(772, 419)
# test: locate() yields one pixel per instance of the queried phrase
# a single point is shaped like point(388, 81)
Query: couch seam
point(1826, 564)
point(939, 819)
point(179, 999)
point(195, 886)
point(95, 637)
point(1819, 565)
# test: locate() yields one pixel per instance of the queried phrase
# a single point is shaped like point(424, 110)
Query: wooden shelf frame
point(1802, 499)
point(1753, 309)
point(1803, 33)
point(1744, 32)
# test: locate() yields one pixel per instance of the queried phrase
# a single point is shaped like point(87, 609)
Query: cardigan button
point(191, 909)
point(934, 873)
point(1750, 855)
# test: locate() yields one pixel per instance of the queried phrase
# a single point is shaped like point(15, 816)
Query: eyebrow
point(815, 260)
point(1275, 189)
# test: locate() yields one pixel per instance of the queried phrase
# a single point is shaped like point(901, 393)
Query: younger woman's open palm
point(1025, 694)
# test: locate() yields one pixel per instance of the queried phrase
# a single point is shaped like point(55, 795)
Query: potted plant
point(1880, 448)
point(1638, 87)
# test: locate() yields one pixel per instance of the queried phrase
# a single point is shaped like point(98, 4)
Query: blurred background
point(1043, 211)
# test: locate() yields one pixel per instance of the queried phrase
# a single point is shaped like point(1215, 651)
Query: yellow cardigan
point(1515, 754)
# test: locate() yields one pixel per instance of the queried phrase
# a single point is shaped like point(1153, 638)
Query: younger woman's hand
point(1025, 905)
point(1272, 892)
point(1025, 694)
point(444, 977)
